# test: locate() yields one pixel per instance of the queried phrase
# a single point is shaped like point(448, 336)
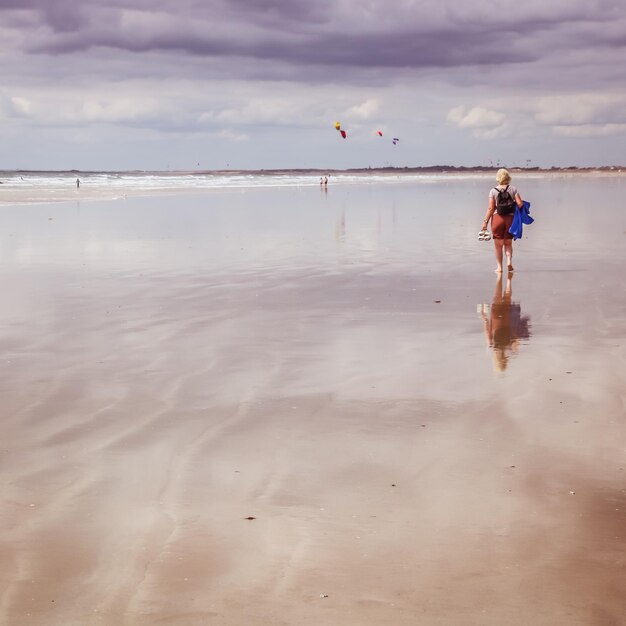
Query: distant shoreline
point(43, 187)
point(429, 169)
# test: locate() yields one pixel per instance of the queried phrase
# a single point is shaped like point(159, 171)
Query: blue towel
point(522, 216)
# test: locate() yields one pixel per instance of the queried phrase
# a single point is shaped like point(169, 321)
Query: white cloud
point(52, 110)
point(590, 130)
point(232, 135)
point(14, 106)
point(581, 109)
point(365, 110)
point(583, 115)
point(484, 123)
point(21, 106)
point(118, 110)
point(491, 133)
point(259, 110)
point(476, 117)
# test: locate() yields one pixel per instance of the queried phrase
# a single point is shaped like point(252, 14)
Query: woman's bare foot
point(498, 270)
point(510, 268)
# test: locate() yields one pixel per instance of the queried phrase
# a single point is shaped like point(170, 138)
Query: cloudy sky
point(178, 84)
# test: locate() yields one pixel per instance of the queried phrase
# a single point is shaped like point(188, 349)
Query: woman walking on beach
point(502, 201)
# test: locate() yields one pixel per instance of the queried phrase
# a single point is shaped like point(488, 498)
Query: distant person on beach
point(325, 180)
point(504, 324)
point(77, 183)
point(502, 200)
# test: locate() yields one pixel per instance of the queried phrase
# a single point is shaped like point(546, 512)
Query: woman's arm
point(518, 199)
point(490, 212)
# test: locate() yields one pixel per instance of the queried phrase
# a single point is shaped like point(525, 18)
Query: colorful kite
point(341, 132)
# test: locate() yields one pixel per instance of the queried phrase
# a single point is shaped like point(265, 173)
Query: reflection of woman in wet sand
point(504, 324)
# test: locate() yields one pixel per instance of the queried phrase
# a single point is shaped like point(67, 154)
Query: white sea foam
point(129, 181)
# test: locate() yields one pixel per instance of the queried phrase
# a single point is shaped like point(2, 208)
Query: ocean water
point(386, 222)
point(135, 181)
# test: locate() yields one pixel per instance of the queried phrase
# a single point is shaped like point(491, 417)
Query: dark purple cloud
point(344, 34)
point(406, 50)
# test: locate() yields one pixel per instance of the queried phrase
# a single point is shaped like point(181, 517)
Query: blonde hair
point(503, 177)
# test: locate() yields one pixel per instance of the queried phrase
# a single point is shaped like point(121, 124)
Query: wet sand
point(174, 366)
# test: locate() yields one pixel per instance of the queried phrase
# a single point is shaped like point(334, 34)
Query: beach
point(283, 404)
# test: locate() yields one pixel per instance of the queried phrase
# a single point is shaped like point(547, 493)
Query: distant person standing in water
point(502, 200)
point(77, 183)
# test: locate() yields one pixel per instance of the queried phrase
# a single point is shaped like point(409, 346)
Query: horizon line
point(435, 168)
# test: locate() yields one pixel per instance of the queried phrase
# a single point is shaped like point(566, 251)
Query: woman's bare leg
point(508, 249)
point(498, 248)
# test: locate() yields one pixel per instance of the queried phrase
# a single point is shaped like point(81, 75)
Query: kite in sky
point(395, 140)
point(341, 132)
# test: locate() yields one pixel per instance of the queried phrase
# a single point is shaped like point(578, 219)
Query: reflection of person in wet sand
point(504, 324)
